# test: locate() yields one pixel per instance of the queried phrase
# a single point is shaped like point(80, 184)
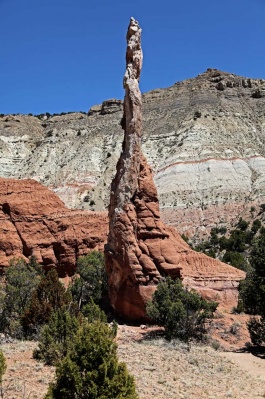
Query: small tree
point(253, 292)
point(92, 283)
point(2, 372)
point(256, 328)
point(21, 279)
point(92, 312)
point(91, 369)
point(236, 259)
point(48, 296)
point(183, 313)
point(2, 366)
point(56, 337)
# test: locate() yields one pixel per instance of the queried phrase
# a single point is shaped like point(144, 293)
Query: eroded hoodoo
point(141, 249)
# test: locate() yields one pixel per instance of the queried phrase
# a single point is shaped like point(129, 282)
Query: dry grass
point(162, 370)
point(25, 377)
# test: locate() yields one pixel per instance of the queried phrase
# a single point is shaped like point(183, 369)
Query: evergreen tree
point(253, 292)
point(2, 366)
point(48, 296)
point(91, 368)
point(21, 279)
point(92, 312)
point(181, 312)
point(56, 337)
point(2, 372)
point(92, 280)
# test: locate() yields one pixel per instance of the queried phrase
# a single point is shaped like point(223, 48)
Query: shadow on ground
point(258, 351)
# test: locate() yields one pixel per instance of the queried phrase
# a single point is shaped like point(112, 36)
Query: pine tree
point(48, 296)
point(91, 368)
point(56, 337)
point(253, 292)
point(92, 280)
point(21, 279)
point(181, 312)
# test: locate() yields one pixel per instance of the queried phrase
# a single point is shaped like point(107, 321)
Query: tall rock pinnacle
point(141, 249)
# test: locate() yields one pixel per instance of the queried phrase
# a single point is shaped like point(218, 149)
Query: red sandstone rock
point(141, 249)
point(34, 221)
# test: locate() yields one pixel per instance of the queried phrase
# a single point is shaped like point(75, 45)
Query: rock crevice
point(34, 221)
point(141, 249)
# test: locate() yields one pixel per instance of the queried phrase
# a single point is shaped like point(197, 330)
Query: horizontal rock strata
point(206, 146)
point(34, 221)
point(141, 249)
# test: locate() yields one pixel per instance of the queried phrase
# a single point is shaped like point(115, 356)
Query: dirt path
point(165, 371)
point(162, 370)
point(247, 362)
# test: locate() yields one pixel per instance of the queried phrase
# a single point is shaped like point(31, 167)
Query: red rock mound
point(34, 221)
point(141, 249)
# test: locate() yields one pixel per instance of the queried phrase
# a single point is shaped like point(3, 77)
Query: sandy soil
point(162, 370)
point(25, 377)
point(168, 370)
point(248, 362)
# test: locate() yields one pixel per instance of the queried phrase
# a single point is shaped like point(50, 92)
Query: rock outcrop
point(34, 221)
point(141, 249)
point(206, 147)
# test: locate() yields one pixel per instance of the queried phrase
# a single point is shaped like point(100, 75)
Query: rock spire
point(141, 249)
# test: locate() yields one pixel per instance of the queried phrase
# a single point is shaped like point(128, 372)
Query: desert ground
point(161, 369)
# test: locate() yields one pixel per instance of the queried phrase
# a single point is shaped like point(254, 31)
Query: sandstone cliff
point(203, 137)
point(34, 221)
point(141, 249)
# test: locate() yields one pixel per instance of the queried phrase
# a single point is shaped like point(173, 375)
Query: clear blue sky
point(66, 55)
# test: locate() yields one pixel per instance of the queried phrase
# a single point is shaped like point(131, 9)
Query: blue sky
point(62, 55)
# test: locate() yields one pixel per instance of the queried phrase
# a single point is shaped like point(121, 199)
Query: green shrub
point(92, 283)
point(256, 225)
point(256, 328)
point(21, 280)
point(236, 259)
point(181, 312)
point(222, 230)
point(185, 238)
point(48, 296)
point(249, 295)
point(91, 368)
point(197, 114)
point(56, 337)
point(92, 312)
point(2, 366)
point(242, 224)
point(252, 290)
point(258, 256)
point(235, 246)
point(211, 253)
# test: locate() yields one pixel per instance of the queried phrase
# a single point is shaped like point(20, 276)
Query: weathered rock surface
point(206, 147)
point(34, 221)
point(141, 249)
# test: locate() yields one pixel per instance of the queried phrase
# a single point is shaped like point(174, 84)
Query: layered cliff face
point(34, 221)
point(203, 137)
point(141, 249)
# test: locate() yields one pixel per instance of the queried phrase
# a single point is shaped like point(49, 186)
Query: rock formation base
point(141, 249)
